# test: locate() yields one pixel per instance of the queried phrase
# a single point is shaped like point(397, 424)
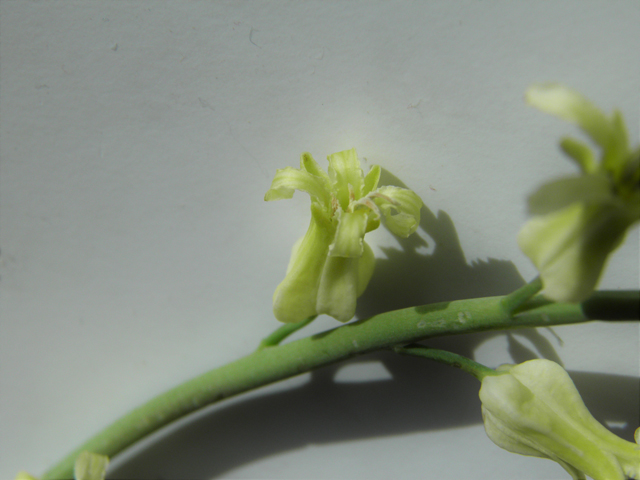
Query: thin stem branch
point(448, 358)
point(518, 297)
point(382, 331)
point(283, 332)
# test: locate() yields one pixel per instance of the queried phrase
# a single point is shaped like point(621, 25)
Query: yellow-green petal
point(295, 297)
point(346, 176)
point(581, 153)
point(402, 212)
point(569, 105)
point(343, 280)
point(569, 247)
point(615, 155)
point(308, 164)
point(289, 179)
point(22, 475)
point(90, 466)
point(349, 235)
point(366, 266)
point(371, 180)
point(558, 194)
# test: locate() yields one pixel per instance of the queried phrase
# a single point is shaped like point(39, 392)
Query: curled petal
point(308, 164)
point(581, 153)
point(289, 179)
point(400, 208)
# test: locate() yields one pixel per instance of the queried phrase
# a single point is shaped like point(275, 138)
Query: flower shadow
point(407, 277)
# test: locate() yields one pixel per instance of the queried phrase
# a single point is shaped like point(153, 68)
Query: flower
point(534, 409)
point(332, 264)
point(579, 220)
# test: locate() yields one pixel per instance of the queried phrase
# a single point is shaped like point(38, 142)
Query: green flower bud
point(332, 264)
point(534, 409)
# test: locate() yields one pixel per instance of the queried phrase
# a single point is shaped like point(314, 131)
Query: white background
point(137, 142)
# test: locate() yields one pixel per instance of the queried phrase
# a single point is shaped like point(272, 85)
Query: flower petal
point(289, 179)
point(22, 475)
point(349, 235)
point(346, 176)
point(616, 154)
point(569, 105)
point(558, 194)
point(371, 180)
point(366, 265)
point(295, 297)
point(308, 164)
point(401, 209)
point(90, 466)
point(569, 247)
point(581, 153)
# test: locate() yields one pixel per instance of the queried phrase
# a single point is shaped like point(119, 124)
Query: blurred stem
point(383, 331)
point(515, 299)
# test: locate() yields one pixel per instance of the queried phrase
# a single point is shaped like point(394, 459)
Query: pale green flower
point(534, 409)
point(579, 220)
point(332, 264)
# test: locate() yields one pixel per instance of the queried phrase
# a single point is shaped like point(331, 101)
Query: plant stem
point(517, 298)
point(283, 332)
point(449, 358)
point(382, 331)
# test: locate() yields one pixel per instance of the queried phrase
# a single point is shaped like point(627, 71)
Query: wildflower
point(534, 409)
point(579, 220)
point(332, 264)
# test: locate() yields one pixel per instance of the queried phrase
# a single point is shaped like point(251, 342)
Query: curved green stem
point(283, 332)
point(382, 331)
point(449, 358)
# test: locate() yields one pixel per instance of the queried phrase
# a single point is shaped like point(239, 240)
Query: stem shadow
point(420, 396)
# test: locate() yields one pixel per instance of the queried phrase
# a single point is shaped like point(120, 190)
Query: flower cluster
point(332, 264)
point(579, 220)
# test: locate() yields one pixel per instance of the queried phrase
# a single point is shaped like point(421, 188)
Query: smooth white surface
point(137, 141)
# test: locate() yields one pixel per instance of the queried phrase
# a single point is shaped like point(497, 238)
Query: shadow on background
point(420, 396)
point(417, 395)
point(407, 278)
